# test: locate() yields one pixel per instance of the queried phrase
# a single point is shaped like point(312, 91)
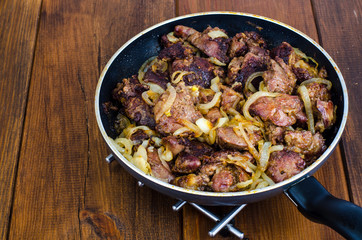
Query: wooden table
point(54, 182)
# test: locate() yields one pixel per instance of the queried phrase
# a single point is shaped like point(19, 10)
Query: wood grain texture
point(18, 28)
point(278, 217)
point(336, 21)
point(65, 189)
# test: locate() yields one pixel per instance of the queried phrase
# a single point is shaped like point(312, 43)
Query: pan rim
point(282, 185)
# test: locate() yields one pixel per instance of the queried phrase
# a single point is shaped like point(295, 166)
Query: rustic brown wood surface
point(54, 182)
point(346, 49)
point(18, 31)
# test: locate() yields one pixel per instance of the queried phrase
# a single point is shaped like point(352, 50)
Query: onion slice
point(216, 61)
point(301, 54)
point(204, 124)
point(181, 130)
point(143, 69)
point(248, 83)
point(171, 37)
point(215, 84)
point(303, 91)
point(216, 34)
point(244, 184)
point(140, 160)
point(156, 88)
point(267, 179)
point(168, 104)
point(194, 128)
point(318, 80)
point(212, 103)
point(180, 75)
point(239, 130)
point(276, 148)
point(264, 156)
point(146, 98)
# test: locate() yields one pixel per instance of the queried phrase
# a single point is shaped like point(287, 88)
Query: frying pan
point(311, 198)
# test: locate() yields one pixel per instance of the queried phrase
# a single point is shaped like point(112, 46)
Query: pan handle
point(317, 204)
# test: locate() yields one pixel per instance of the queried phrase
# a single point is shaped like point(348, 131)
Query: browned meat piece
point(198, 149)
point(282, 111)
point(175, 144)
point(238, 46)
point(165, 43)
point(241, 43)
point(284, 165)
point(130, 87)
point(221, 156)
point(301, 74)
point(274, 133)
point(193, 147)
point(157, 77)
point(227, 138)
point(229, 98)
point(206, 95)
point(305, 142)
point(259, 51)
point(182, 108)
point(129, 94)
point(178, 50)
point(209, 169)
point(323, 72)
point(167, 125)
point(201, 71)
point(279, 78)
point(326, 110)
point(233, 69)
point(184, 32)
point(191, 181)
point(286, 52)
point(300, 67)
point(243, 175)
point(109, 107)
point(222, 181)
point(240, 68)
point(224, 175)
point(186, 163)
point(140, 112)
point(159, 170)
point(138, 137)
point(318, 91)
point(213, 115)
point(216, 47)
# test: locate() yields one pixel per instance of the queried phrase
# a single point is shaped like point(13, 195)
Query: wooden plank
point(341, 37)
point(65, 190)
point(18, 29)
point(274, 218)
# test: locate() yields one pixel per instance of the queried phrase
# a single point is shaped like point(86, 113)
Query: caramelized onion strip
point(303, 91)
point(212, 103)
point(168, 104)
point(318, 80)
point(248, 83)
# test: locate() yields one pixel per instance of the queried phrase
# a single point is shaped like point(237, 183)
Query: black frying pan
point(305, 191)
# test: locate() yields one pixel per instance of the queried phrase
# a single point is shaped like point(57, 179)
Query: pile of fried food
point(223, 114)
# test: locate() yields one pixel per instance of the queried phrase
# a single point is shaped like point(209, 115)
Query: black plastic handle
point(317, 204)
